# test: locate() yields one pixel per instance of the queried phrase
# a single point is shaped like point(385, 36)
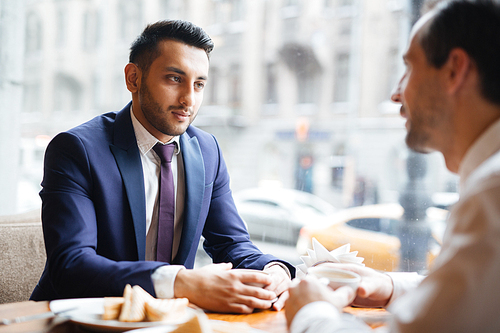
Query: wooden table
point(268, 321)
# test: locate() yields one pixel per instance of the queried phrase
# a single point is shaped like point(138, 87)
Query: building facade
point(298, 92)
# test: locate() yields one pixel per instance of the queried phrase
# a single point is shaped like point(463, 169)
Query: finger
point(280, 288)
point(342, 297)
point(280, 282)
point(363, 291)
point(280, 303)
point(369, 288)
point(258, 292)
point(223, 266)
point(293, 283)
point(260, 279)
point(254, 303)
point(239, 308)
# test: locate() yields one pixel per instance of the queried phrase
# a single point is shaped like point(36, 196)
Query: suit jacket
point(94, 215)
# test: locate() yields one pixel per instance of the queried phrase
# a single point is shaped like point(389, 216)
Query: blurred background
point(298, 97)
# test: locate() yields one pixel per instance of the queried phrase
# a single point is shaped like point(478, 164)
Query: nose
point(396, 94)
point(187, 98)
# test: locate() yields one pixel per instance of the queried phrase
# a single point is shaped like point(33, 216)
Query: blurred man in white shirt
point(450, 97)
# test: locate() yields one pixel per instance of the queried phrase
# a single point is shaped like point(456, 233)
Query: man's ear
point(133, 77)
point(458, 65)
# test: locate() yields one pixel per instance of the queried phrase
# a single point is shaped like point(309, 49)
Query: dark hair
point(144, 49)
point(473, 26)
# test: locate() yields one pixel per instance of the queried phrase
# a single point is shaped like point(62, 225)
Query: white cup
point(334, 277)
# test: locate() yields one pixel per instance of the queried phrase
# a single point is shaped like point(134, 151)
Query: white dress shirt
point(462, 291)
point(163, 277)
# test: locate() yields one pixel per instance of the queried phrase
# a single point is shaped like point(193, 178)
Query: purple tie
point(166, 203)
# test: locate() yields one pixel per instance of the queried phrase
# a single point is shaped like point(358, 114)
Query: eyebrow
point(181, 72)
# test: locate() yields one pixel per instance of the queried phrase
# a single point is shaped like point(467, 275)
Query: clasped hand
point(375, 290)
point(219, 288)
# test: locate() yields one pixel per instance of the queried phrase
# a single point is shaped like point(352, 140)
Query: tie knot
point(164, 152)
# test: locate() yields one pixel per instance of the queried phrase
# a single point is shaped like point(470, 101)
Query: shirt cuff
point(277, 263)
point(163, 280)
point(402, 282)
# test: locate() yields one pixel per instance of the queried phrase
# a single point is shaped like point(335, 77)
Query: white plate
point(216, 323)
point(88, 312)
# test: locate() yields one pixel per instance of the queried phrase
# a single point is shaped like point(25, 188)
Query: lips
point(402, 111)
point(181, 114)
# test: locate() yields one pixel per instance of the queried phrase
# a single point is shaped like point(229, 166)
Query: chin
point(417, 145)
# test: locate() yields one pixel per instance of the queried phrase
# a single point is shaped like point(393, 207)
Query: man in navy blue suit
point(101, 183)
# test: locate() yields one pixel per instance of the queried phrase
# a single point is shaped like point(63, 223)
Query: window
point(270, 90)
point(67, 94)
point(212, 87)
point(61, 28)
point(237, 10)
point(341, 84)
point(385, 225)
point(32, 97)
point(129, 20)
point(34, 33)
point(274, 64)
point(91, 30)
point(307, 87)
point(235, 87)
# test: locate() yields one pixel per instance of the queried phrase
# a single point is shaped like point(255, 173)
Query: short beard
point(154, 114)
point(416, 143)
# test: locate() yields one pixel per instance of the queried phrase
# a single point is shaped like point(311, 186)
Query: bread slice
point(166, 309)
point(112, 307)
point(127, 303)
point(136, 311)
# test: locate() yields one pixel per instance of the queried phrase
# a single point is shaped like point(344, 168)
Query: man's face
point(421, 94)
point(172, 91)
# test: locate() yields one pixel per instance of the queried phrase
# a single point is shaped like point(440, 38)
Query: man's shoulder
point(97, 123)
point(100, 129)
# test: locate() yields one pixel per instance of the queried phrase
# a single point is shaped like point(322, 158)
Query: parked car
point(372, 231)
point(276, 215)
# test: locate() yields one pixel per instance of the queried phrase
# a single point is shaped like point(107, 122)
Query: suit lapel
point(195, 187)
point(128, 158)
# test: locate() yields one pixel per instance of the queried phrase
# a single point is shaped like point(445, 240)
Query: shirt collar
point(145, 140)
point(486, 145)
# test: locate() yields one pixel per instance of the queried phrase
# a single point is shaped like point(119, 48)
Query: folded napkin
point(319, 254)
point(198, 323)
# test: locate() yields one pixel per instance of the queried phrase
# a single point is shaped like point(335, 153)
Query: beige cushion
point(22, 255)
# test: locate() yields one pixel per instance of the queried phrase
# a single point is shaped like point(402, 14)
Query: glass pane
point(298, 97)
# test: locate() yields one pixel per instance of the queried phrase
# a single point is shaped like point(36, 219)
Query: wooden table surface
point(267, 321)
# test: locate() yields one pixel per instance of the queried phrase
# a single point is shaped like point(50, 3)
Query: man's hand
point(375, 288)
point(219, 288)
point(311, 290)
point(279, 284)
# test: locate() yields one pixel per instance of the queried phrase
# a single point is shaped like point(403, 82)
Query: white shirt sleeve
point(163, 280)
point(325, 318)
point(461, 294)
